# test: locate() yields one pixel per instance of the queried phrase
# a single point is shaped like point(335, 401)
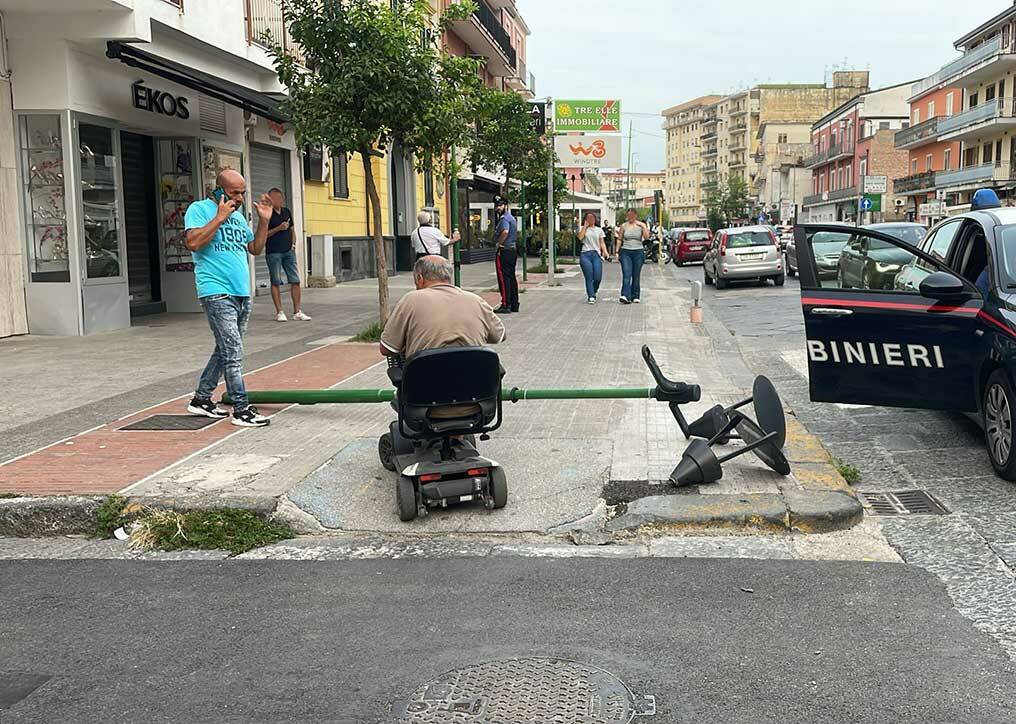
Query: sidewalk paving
point(318, 465)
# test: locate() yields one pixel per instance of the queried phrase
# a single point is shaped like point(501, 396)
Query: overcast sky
point(653, 54)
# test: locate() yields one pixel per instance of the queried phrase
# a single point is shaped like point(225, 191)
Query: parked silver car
point(746, 252)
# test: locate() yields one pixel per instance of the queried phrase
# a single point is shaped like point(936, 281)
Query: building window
point(989, 93)
point(340, 175)
point(929, 162)
point(883, 125)
point(947, 159)
point(863, 170)
point(913, 166)
point(949, 104)
point(850, 176)
point(986, 153)
point(972, 102)
point(917, 116)
point(931, 110)
point(970, 157)
point(782, 138)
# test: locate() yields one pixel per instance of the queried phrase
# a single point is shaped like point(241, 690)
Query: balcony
point(709, 167)
point(738, 163)
point(738, 112)
point(988, 59)
point(972, 175)
point(709, 152)
point(992, 116)
point(832, 196)
point(710, 136)
point(833, 153)
point(265, 22)
point(484, 33)
point(919, 135)
point(738, 146)
point(915, 184)
point(522, 82)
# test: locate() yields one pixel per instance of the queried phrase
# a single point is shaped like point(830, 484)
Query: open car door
point(872, 341)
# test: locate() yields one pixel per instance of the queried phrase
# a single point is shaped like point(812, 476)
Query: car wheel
point(721, 283)
point(791, 271)
point(998, 412)
point(779, 280)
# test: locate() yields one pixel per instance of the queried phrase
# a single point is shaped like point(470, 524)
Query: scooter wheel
point(499, 487)
point(405, 497)
point(386, 451)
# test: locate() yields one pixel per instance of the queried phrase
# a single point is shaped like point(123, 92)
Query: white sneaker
point(592, 300)
point(250, 418)
point(281, 317)
point(301, 317)
point(624, 300)
point(636, 301)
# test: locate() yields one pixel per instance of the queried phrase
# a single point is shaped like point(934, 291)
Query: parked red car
point(687, 245)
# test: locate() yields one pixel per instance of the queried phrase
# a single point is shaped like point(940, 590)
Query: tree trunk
point(380, 256)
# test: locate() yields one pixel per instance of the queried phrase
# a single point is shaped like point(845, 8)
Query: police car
point(941, 336)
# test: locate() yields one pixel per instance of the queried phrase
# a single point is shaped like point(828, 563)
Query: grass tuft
point(9, 495)
point(849, 472)
point(542, 269)
point(110, 516)
point(235, 531)
point(371, 334)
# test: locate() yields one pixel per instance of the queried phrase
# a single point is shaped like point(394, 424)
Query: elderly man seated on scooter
point(438, 314)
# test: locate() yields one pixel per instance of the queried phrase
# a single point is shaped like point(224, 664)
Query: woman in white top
point(633, 255)
point(594, 251)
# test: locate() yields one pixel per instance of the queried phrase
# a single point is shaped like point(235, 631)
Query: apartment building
point(624, 191)
point(683, 175)
point(496, 33)
point(985, 111)
point(853, 141)
point(928, 154)
point(119, 114)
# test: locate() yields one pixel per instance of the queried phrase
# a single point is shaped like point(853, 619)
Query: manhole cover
point(16, 686)
point(525, 691)
point(902, 502)
point(175, 423)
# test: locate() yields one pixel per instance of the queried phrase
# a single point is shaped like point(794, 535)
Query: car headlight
point(886, 268)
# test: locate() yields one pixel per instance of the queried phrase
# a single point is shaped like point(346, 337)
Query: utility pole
point(551, 242)
point(627, 193)
point(453, 201)
point(522, 234)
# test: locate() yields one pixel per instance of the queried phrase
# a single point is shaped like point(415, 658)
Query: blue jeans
point(631, 273)
point(592, 270)
point(227, 317)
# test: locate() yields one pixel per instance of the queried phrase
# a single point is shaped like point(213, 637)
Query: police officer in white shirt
point(428, 240)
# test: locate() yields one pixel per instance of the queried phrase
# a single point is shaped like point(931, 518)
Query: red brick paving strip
point(105, 460)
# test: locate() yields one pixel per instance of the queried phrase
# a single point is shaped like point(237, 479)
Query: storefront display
point(215, 160)
point(42, 174)
point(176, 192)
point(99, 204)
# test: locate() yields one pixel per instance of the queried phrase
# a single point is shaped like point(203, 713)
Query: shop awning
point(226, 91)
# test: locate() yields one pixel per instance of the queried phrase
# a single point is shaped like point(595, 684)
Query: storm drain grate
point(902, 502)
point(16, 686)
point(525, 690)
point(171, 423)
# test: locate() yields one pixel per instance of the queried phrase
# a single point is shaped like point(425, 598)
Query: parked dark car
point(827, 247)
point(869, 263)
point(689, 245)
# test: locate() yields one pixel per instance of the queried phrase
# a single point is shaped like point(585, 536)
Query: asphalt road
point(732, 641)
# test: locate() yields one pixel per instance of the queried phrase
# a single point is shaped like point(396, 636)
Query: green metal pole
point(453, 200)
point(522, 233)
point(354, 397)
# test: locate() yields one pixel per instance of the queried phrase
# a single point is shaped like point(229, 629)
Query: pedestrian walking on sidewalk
point(633, 255)
point(507, 236)
point(281, 256)
point(220, 239)
point(428, 240)
point(594, 251)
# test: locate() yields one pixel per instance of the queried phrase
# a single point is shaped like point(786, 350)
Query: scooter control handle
point(669, 390)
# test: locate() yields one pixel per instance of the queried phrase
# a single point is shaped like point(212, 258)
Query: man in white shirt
point(428, 240)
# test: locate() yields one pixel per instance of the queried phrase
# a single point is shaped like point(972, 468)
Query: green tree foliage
point(505, 139)
point(376, 76)
point(726, 204)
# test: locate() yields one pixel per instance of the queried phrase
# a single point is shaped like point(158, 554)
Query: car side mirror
point(942, 286)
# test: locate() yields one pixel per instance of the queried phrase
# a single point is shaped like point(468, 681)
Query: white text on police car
point(874, 353)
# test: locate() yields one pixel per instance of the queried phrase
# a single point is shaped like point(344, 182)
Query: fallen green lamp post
point(354, 397)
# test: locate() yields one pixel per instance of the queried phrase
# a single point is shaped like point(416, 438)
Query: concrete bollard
point(696, 303)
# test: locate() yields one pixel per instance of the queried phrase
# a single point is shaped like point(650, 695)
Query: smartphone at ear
point(218, 194)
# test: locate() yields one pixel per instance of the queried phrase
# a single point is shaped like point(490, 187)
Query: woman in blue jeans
point(633, 255)
point(594, 251)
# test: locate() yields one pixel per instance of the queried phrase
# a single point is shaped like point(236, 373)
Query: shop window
point(340, 175)
point(98, 201)
point(176, 189)
point(42, 175)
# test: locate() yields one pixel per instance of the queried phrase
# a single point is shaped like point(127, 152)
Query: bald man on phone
point(220, 239)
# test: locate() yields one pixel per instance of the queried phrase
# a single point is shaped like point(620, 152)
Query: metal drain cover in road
point(525, 691)
point(177, 423)
point(902, 502)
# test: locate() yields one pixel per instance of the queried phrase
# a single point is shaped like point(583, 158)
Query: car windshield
point(1007, 255)
point(749, 238)
point(697, 236)
point(904, 232)
point(826, 242)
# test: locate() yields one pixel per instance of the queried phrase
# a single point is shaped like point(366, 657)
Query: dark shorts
point(285, 262)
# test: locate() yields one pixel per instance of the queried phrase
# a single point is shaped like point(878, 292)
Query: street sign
point(866, 204)
point(871, 202)
point(538, 112)
point(932, 208)
point(876, 184)
point(786, 211)
point(589, 151)
point(762, 218)
point(593, 116)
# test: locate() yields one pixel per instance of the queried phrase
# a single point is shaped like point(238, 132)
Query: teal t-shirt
point(221, 266)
